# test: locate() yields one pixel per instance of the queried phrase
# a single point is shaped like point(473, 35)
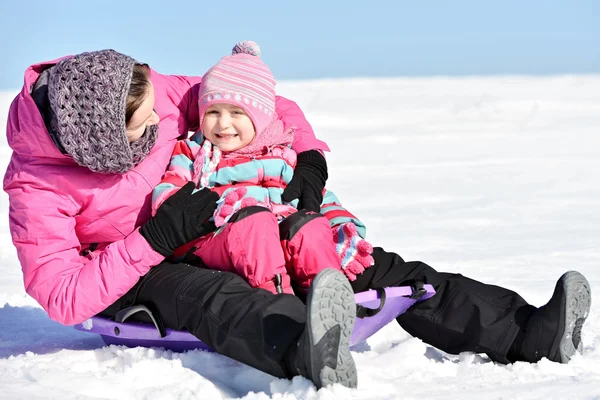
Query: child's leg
point(308, 246)
point(249, 246)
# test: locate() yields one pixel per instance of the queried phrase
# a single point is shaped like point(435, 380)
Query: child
point(243, 153)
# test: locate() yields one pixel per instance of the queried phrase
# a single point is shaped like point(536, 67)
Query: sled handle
point(362, 312)
point(125, 313)
point(418, 290)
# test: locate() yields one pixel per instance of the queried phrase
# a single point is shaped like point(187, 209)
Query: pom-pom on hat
point(243, 80)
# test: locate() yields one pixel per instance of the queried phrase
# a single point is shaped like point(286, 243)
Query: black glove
point(308, 182)
point(180, 219)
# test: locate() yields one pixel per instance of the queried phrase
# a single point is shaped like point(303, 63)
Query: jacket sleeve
point(337, 215)
point(182, 91)
point(179, 172)
point(71, 287)
point(292, 116)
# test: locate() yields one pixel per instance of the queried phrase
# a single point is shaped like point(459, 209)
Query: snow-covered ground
point(496, 178)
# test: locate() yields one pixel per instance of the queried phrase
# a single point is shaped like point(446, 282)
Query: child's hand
point(231, 204)
point(354, 251)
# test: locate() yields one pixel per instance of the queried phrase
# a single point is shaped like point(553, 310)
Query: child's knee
point(254, 212)
point(252, 220)
point(305, 223)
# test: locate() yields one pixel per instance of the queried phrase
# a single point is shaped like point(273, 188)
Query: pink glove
point(354, 251)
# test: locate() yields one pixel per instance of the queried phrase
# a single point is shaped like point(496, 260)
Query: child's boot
point(322, 353)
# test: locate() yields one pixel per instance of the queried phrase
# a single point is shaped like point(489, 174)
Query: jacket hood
point(26, 130)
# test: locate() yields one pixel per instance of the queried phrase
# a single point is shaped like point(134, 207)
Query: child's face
point(228, 127)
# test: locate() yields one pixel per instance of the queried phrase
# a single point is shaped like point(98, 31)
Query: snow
point(494, 178)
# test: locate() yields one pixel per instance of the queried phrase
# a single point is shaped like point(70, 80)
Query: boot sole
point(330, 303)
point(576, 307)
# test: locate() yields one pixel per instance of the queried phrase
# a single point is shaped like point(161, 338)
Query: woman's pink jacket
point(76, 231)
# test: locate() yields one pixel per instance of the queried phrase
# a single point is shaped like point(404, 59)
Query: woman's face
point(227, 126)
point(143, 117)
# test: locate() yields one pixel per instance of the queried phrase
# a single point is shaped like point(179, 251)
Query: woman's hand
point(180, 219)
point(308, 182)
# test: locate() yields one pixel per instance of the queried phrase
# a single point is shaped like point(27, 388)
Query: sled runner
point(374, 310)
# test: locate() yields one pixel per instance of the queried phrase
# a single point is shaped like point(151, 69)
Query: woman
point(66, 232)
point(92, 136)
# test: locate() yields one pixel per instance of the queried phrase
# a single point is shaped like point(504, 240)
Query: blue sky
point(312, 39)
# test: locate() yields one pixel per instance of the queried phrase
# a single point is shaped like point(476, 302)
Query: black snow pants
point(256, 327)
point(463, 315)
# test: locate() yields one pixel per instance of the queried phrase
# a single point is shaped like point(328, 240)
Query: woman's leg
point(221, 309)
point(467, 315)
point(266, 331)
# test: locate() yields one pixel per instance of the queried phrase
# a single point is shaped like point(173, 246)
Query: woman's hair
point(138, 90)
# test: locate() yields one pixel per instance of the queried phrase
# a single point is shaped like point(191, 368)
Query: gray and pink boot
point(322, 353)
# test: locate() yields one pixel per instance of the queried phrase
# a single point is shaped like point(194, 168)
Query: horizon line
point(457, 77)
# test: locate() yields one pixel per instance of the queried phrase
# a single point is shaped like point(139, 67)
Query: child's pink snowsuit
point(265, 241)
point(251, 246)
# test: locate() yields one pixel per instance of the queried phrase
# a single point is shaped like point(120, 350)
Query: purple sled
point(372, 315)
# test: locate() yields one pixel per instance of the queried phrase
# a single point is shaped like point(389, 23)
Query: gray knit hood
point(88, 95)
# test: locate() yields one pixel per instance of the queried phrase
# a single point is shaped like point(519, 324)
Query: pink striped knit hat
point(241, 79)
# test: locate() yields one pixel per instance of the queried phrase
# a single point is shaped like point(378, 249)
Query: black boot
point(322, 353)
point(554, 330)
